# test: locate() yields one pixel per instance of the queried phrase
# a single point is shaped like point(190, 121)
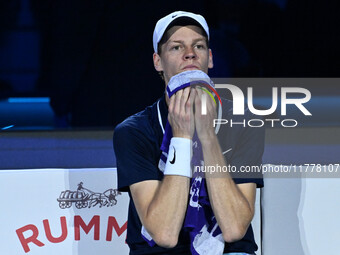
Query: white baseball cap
point(164, 23)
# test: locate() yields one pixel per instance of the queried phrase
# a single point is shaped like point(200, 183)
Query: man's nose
point(190, 54)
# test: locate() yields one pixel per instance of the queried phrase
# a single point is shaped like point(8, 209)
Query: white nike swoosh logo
point(227, 151)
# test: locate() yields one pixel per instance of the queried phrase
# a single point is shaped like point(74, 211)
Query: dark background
point(93, 59)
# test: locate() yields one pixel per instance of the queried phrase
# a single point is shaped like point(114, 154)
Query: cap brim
point(184, 21)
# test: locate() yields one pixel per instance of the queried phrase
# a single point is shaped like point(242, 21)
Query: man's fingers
point(179, 115)
point(171, 103)
point(205, 97)
point(191, 100)
point(177, 102)
point(198, 99)
point(185, 98)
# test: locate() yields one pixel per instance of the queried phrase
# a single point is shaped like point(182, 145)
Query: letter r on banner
point(32, 239)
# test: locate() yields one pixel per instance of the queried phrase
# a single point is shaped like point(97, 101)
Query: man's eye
point(200, 46)
point(177, 47)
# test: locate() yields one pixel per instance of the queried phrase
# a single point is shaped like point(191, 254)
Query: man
point(160, 200)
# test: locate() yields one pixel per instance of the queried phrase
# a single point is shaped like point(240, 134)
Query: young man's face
point(186, 49)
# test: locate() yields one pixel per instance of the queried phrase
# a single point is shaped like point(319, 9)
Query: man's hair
point(166, 35)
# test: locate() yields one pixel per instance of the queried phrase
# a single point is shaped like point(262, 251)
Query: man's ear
point(210, 63)
point(157, 62)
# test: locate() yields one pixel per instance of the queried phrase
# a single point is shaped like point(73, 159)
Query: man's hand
point(233, 205)
point(204, 123)
point(181, 113)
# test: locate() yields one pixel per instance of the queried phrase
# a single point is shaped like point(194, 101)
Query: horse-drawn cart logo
point(84, 197)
